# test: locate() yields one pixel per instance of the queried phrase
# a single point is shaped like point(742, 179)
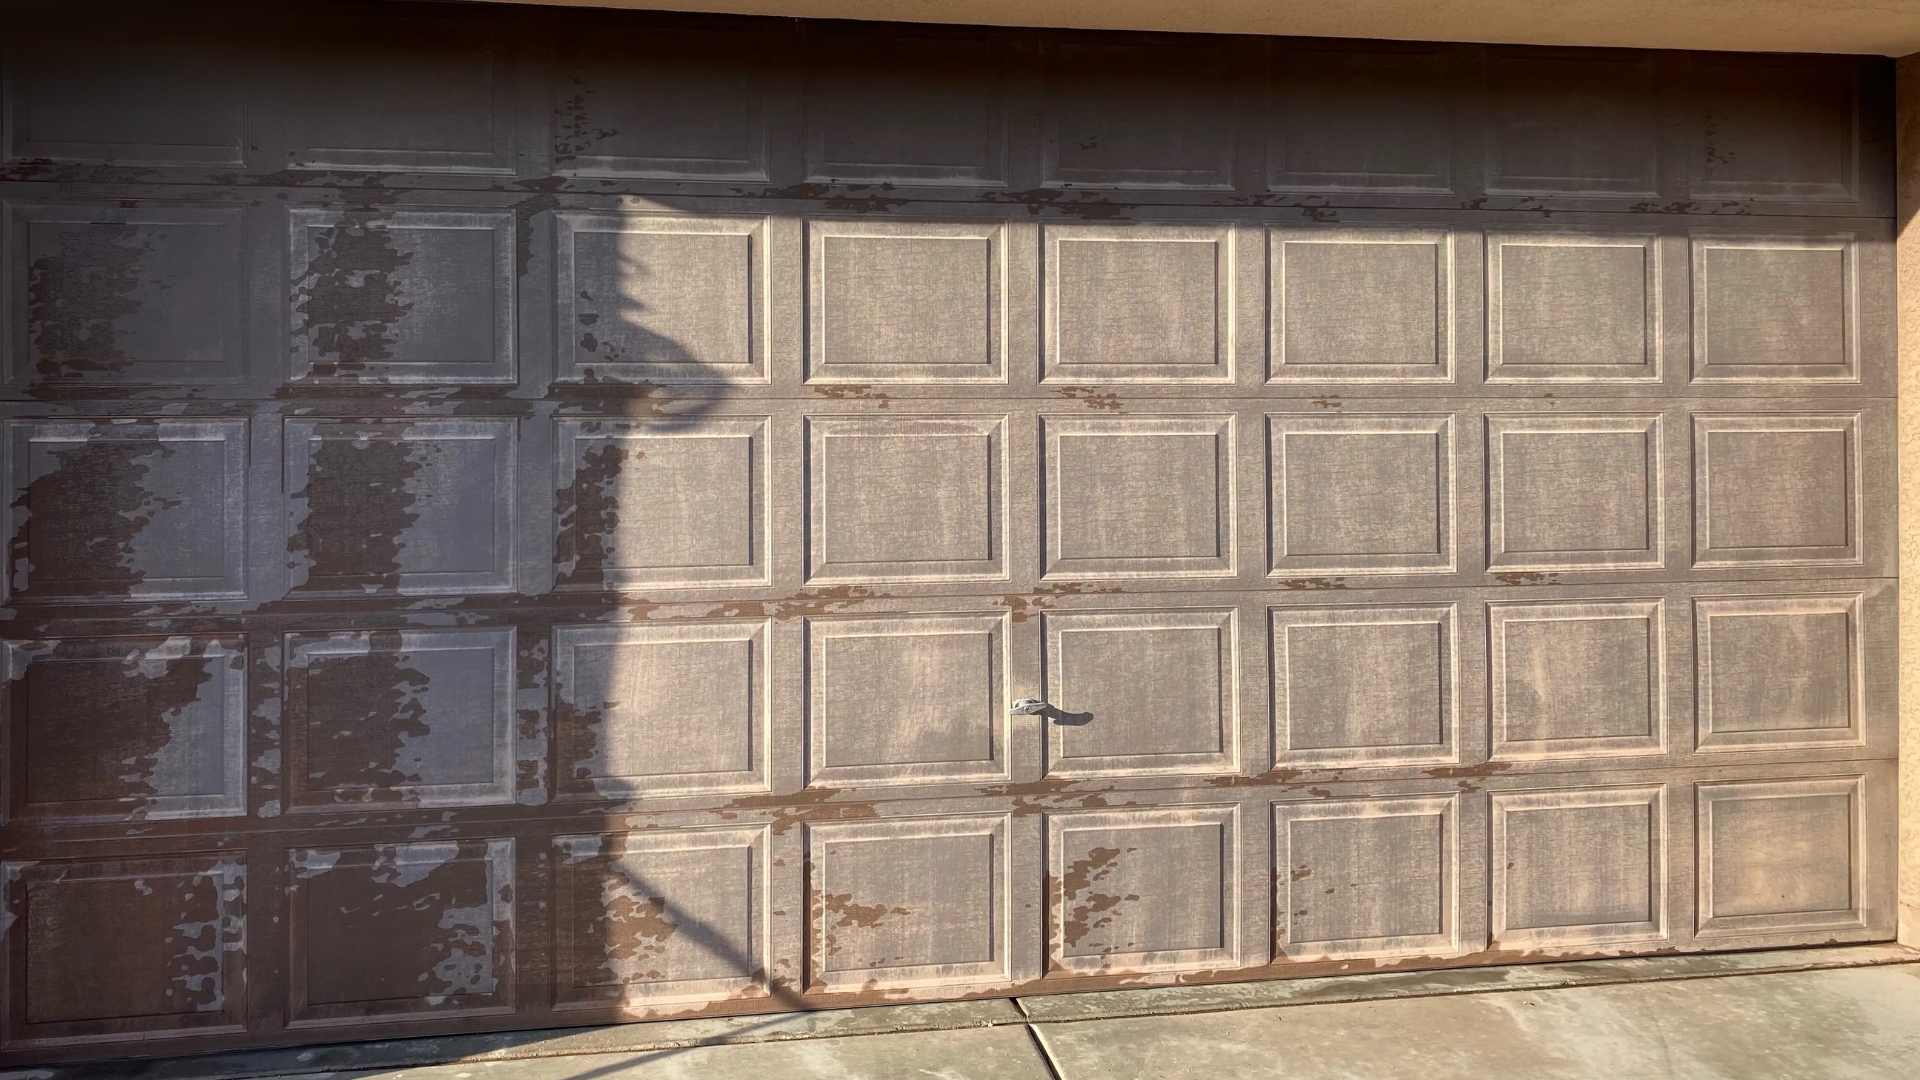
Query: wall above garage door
point(1888, 28)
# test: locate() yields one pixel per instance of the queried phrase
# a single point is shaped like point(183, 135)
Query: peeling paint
point(353, 513)
point(1093, 399)
point(77, 296)
point(77, 523)
point(588, 513)
point(1080, 906)
point(350, 297)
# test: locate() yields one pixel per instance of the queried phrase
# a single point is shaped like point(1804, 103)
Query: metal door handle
point(1028, 706)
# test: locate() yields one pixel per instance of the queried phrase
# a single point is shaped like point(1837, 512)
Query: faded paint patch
point(350, 297)
point(633, 926)
point(354, 511)
point(1023, 606)
point(1082, 909)
point(854, 393)
point(77, 521)
point(142, 740)
point(361, 710)
point(852, 914)
point(77, 295)
point(426, 922)
point(1094, 399)
point(588, 511)
point(574, 133)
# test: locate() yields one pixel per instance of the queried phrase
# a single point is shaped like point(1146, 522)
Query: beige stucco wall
point(1909, 306)
point(1887, 27)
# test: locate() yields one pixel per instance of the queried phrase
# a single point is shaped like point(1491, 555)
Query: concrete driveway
point(1851, 1012)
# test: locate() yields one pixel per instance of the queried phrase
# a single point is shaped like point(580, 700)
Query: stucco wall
point(1886, 27)
point(1909, 304)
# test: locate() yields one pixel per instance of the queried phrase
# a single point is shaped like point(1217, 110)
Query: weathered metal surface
point(524, 518)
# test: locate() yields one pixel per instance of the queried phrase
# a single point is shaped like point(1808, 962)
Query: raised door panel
point(432, 927)
point(141, 510)
point(1148, 303)
point(1776, 128)
point(1575, 493)
point(904, 699)
point(123, 950)
point(1776, 490)
point(1361, 495)
point(1134, 115)
point(663, 709)
point(1141, 693)
point(1573, 307)
point(1576, 679)
point(118, 295)
point(402, 296)
point(665, 102)
point(919, 302)
point(1139, 497)
point(1361, 686)
point(1365, 117)
point(1142, 891)
point(660, 918)
point(667, 503)
point(1561, 123)
point(1783, 673)
point(925, 108)
point(1781, 857)
point(168, 89)
point(1360, 304)
point(1367, 878)
point(648, 298)
point(905, 500)
point(1776, 308)
point(407, 717)
point(1581, 868)
point(397, 94)
point(407, 507)
point(127, 728)
point(909, 904)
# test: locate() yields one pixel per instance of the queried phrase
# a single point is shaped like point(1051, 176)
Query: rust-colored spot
point(636, 929)
point(823, 600)
point(1022, 606)
point(786, 811)
point(1093, 398)
point(573, 135)
point(1312, 583)
point(854, 393)
point(851, 914)
point(1525, 577)
point(1265, 779)
point(1468, 772)
point(1079, 904)
point(419, 922)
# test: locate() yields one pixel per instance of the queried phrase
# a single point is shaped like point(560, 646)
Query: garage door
point(523, 519)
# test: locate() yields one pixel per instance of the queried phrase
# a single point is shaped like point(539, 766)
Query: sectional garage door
point(523, 519)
